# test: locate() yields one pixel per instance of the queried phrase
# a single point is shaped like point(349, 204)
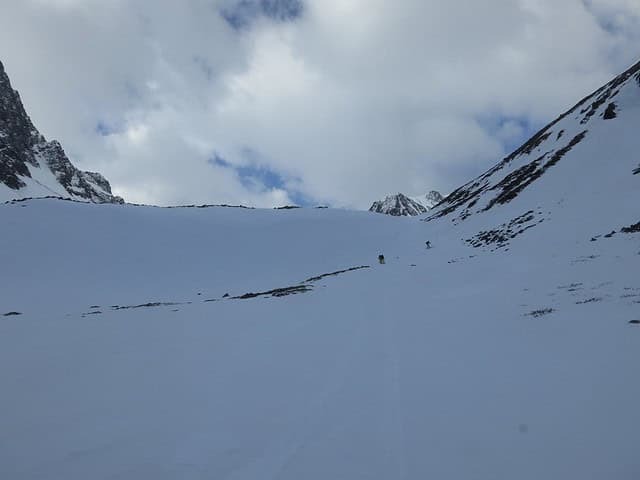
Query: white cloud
point(353, 100)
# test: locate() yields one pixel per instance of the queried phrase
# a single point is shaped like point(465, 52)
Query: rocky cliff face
point(30, 166)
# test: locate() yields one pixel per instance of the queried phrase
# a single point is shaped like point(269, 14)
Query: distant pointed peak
point(398, 205)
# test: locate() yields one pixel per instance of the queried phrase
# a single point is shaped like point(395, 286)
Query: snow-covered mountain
point(429, 200)
point(401, 205)
point(30, 166)
point(398, 205)
point(587, 159)
point(282, 349)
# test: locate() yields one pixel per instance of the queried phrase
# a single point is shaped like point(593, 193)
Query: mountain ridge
point(528, 163)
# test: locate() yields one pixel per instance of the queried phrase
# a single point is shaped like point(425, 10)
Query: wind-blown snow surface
point(444, 363)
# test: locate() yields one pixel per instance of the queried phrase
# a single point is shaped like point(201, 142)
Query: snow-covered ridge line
point(204, 205)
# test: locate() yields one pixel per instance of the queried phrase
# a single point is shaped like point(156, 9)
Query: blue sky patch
point(219, 161)
point(243, 12)
point(510, 131)
point(204, 66)
point(607, 22)
point(103, 129)
point(261, 176)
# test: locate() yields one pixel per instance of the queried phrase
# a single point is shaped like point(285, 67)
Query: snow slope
point(442, 369)
point(227, 343)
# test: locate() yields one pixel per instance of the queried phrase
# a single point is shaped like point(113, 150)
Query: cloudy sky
point(268, 102)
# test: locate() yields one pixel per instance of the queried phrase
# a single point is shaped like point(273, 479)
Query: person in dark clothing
point(428, 244)
point(381, 259)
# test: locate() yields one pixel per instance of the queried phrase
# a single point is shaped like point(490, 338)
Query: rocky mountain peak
point(434, 196)
point(30, 166)
point(398, 205)
point(403, 205)
point(429, 200)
